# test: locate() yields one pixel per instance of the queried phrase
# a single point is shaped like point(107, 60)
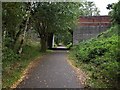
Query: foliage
point(44, 17)
point(64, 38)
point(54, 17)
point(86, 8)
point(100, 58)
point(18, 18)
point(89, 8)
point(115, 12)
point(69, 45)
point(13, 15)
point(14, 64)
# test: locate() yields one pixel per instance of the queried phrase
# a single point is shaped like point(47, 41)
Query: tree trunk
point(23, 36)
point(43, 44)
point(25, 30)
point(71, 32)
point(16, 40)
point(49, 41)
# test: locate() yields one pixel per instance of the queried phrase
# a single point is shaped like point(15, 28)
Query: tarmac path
point(53, 71)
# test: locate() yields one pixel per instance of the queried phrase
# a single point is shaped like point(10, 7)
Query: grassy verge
point(100, 59)
point(14, 65)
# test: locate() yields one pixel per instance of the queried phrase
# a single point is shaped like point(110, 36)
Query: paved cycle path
point(53, 71)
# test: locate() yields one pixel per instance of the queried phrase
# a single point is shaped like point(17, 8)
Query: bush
point(100, 57)
point(9, 56)
point(13, 64)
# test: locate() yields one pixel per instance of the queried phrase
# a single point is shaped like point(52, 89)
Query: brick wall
point(89, 27)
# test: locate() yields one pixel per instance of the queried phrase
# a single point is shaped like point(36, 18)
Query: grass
point(14, 65)
point(99, 58)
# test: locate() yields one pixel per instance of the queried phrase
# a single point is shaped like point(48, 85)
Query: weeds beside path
point(82, 76)
point(14, 66)
point(99, 58)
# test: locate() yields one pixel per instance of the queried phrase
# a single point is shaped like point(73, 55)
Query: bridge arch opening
point(60, 40)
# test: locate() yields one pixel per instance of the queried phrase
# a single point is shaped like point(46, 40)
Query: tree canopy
point(45, 18)
point(89, 8)
point(54, 17)
point(115, 12)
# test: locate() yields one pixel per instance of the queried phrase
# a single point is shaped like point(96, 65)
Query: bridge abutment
point(89, 27)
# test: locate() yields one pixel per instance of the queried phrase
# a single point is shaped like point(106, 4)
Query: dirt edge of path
point(27, 70)
point(81, 75)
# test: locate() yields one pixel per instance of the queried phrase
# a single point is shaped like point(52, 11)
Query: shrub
point(100, 57)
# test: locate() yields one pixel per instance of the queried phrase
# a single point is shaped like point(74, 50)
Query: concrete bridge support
point(89, 27)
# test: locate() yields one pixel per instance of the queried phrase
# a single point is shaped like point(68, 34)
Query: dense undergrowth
point(14, 64)
point(100, 59)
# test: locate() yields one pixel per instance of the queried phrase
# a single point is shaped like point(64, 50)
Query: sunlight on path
point(61, 47)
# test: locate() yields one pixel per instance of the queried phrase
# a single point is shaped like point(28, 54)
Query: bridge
point(89, 27)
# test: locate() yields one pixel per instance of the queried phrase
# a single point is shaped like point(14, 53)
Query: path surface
point(53, 71)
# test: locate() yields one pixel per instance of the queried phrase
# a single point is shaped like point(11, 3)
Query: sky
point(102, 4)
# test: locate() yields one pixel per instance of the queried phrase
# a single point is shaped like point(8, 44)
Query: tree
point(26, 25)
point(12, 18)
point(64, 38)
point(109, 6)
point(115, 12)
point(15, 23)
point(89, 9)
point(54, 17)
